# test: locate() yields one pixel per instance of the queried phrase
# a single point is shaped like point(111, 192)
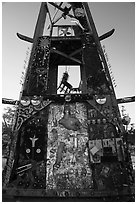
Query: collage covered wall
point(67, 153)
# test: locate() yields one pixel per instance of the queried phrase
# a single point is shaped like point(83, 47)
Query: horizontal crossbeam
point(30, 40)
point(77, 96)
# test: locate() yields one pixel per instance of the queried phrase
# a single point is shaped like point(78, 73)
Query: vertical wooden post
point(37, 33)
point(96, 38)
point(99, 48)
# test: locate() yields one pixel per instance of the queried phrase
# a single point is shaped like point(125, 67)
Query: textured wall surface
point(67, 155)
point(67, 150)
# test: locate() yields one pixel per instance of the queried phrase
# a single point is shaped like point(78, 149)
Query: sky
point(120, 47)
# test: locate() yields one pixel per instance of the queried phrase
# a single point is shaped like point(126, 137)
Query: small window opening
point(69, 79)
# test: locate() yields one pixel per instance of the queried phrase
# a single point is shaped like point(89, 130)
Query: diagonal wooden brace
point(65, 55)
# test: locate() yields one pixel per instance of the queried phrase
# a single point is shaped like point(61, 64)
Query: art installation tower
point(68, 145)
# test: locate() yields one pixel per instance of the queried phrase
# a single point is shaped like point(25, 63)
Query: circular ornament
point(79, 12)
point(68, 98)
point(126, 120)
point(101, 100)
point(93, 122)
point(38, 151)
point(27, 151)
point(35, 101)
point(44, 42)
point(104, 120)
point(25, 101)
point(98, 121)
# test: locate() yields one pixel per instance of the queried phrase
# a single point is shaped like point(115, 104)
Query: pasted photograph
point(68, 101)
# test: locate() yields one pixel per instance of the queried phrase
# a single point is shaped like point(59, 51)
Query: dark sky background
point(22, 16)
